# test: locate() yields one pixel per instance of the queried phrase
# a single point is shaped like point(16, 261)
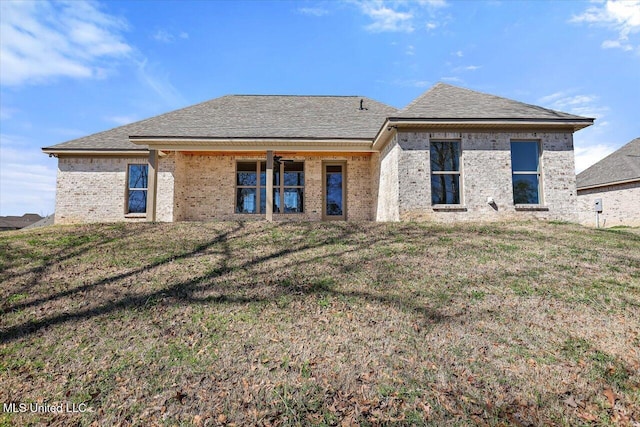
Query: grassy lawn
point(322, 324)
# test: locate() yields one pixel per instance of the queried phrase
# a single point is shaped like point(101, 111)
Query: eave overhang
point(95, 152)
point(253, 144)
point(392, 124)
point(608, 184)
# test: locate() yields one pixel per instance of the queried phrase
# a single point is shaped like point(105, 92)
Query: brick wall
point(93, 189)
point(621, 205)
point(485, 172)
point(390, 186)
point(387, 197)
point(205, 186)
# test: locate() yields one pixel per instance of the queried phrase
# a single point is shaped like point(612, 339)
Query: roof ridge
point(300, 96)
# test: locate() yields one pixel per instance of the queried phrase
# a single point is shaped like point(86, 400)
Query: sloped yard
point(321, 324)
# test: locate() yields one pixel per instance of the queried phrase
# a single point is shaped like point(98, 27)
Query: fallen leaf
point(570, 401)
point(587, 416)
point(611, 397)
point(426, 409)
point(197, 420)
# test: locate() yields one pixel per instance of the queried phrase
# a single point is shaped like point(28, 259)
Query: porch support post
point(269, 189)
point(152, 188)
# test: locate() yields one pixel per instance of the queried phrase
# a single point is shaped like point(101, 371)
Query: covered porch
point(306, 182)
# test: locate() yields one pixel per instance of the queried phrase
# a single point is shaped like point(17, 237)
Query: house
point(18, 222)
point(615, 181)
point(452, 154)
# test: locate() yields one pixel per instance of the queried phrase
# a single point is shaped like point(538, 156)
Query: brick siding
point(620, 205)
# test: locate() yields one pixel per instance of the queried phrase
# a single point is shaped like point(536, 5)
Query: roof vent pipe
point(361, 107)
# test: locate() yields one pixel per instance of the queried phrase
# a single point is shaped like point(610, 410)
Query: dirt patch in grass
point(324, 324)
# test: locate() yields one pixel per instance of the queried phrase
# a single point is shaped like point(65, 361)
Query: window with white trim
point(250, 187)
point(288, 187)
point(525, 172)
point(445, 172)
point(137, 179)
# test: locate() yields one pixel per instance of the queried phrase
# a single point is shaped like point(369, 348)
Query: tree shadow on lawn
point(73, 245)
point(213, 281)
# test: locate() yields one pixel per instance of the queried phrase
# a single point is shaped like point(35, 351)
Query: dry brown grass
point(322, 324)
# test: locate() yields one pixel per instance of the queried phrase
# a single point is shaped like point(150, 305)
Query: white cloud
point(165, 36)
point(467, 68)
point(591, 144)
point(27, 178)
point(458, 53)
point(588, 155)
point(621, 16)
point(313, 11)
point(159, 82)
point(411, 83)
point(40, 40)
point(433, 3)
point(386, 19)
point(121, 120)
point(452, 79)
point(410, 50)
point(402, 15)
point(582, 105)
point(6, 112)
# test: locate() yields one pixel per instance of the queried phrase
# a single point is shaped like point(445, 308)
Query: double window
point(445, 172)
point(137, 178)
point(525, 172)
point(288, 187)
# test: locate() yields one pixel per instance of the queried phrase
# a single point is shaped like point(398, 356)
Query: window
point(525, 167)
point(288, 187)
point(334, 190)
point(250, 187)
point(137, 188)
point(445, 172)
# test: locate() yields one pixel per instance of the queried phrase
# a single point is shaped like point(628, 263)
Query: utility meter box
point(598, 205)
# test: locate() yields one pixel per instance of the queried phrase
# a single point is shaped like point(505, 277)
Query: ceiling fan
point(279, 160)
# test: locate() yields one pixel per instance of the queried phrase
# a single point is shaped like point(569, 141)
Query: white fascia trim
point(96, 152)
point(384, 135)
point(481, 123)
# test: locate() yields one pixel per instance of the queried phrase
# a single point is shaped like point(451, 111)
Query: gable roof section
point(444, 101)
point(250, 117)
point(622, 165)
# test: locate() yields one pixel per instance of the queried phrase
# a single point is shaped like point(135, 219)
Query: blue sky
point(70, 69)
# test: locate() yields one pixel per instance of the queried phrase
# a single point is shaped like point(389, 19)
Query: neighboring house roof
point(44, 222)
point(444, 101)
point(251, 116)
point(17, 222)
point(622, 165)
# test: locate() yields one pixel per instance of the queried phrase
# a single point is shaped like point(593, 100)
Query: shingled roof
point(314, 118)
point(445, 101)
point(620, 166)
point(251, 116)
